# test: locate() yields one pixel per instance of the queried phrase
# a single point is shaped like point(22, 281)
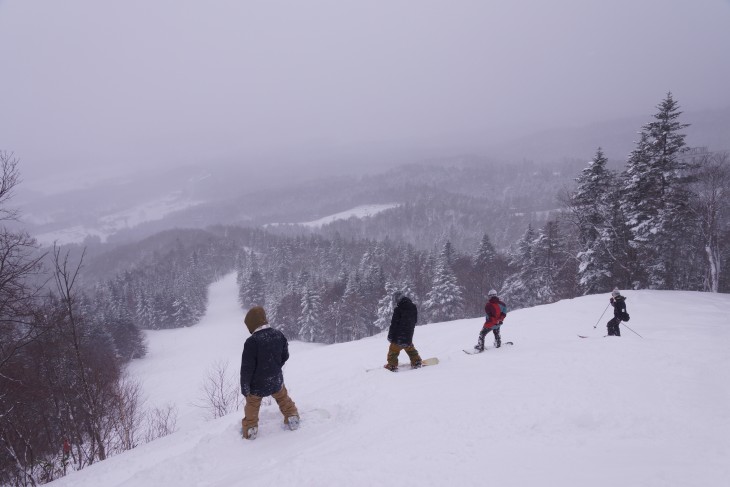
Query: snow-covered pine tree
point(310, 318)
point(254, 290)
point(520, 287)
point(445, 300)
point(655, 197)
point(385, 307)
point(481, 277)
point(591, 212)
point(552, 265)
point(358, 314)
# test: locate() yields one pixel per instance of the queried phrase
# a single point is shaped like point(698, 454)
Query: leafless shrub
point(129, 414)
point(220, 394)
point(161, 422)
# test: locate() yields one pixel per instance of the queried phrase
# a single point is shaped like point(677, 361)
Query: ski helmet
point(491, 293)
point(615, 292)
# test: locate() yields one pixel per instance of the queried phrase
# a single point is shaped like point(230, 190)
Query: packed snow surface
point(553, 409)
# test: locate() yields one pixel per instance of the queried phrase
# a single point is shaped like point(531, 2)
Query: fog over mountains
point(209, 191)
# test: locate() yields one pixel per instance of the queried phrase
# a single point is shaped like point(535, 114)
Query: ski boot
point(392, 368)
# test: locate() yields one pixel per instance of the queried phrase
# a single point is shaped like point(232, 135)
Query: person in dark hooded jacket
point(264, 354)
point(400, 333)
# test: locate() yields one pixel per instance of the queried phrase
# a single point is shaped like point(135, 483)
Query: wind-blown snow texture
point(551, 410)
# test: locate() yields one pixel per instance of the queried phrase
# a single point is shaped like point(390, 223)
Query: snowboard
point(407, 365)
point(474, 351)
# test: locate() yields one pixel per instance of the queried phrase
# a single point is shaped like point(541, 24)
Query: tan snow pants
point(253, 404)
point(394, 350)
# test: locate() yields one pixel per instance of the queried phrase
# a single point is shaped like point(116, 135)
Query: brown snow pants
point(394, 350)
point(253, 404)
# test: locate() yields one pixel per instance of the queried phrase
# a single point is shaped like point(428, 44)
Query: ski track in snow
point(551, 410)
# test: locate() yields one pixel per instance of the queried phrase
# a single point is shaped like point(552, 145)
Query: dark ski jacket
point(403, 322)
point(495, 312)
point(264, 354)
point(619, 307)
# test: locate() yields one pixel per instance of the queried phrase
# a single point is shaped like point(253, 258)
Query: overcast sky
point(149, 82)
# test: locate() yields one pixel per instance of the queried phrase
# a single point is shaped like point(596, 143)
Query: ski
point(474, 351)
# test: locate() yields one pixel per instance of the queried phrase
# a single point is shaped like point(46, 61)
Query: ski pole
point(633, 331)
point(604, 312)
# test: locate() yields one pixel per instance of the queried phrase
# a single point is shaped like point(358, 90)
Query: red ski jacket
point(494, 312)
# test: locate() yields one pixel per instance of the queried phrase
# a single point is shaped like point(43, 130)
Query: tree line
point(65, 402)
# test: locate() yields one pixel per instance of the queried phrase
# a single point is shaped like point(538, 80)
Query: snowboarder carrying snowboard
point(496, 312)
point(619, 312)
point(264, 354)
point(400, 333)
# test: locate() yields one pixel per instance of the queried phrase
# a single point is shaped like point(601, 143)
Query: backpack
point(625, 316)
point(503, 309)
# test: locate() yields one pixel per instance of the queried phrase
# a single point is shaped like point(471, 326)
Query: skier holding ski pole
point(599, 318)
point(619, 313)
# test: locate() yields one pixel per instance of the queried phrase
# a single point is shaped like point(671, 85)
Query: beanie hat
point(255, 317)
point(397, 296)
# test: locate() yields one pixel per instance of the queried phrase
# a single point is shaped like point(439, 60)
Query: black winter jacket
point(619, 307)
point(264, 354)
point(405, 316)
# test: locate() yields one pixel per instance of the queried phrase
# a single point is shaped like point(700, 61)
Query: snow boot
point(293, 422)
point(392, 368)
point(417, 365)
point(251, 433)
point(479, 347)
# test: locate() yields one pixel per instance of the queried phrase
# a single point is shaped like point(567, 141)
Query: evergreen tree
point(445, 300)
point(385, 307)
point(358, 314)
point(254, 290)
point(655, 198)
point(553, 268)
point(520, 287)
point(310, 318)
point(591, 211)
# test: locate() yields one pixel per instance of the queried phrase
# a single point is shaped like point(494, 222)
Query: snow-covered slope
point(111, 223)
point(361, 211)
point(552, 410)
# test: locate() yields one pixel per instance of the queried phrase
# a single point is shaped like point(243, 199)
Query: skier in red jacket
point(496, 311)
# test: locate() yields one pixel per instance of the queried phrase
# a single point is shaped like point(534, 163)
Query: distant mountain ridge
point(227, 193)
